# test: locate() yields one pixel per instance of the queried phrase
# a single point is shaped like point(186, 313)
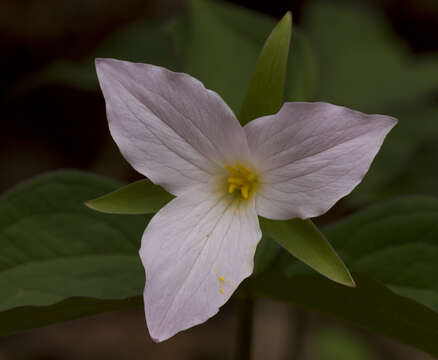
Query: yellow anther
point(236, 180)
point(245, 191)
point(232, 171)
point(243, 170)
point(221, 284)
point(242, 179)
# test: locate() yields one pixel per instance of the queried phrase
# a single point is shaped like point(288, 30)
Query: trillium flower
point(200, 246)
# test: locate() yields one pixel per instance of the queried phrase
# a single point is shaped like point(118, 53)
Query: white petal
point(196, 251)
point(310, 155)
point(167, 125)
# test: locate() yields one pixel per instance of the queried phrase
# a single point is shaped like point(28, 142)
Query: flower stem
point(244, 328)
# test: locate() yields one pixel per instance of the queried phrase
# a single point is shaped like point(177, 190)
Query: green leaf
point(370, 305)
point(140, 197)
point(143, 41)
point(267, 252)
point(302, 74)
point(366, 66)
point(265, 96)
point(61, 261)
point(392, 250)
point(234, 36)
point(29, 317)
point(403, 166)
point(53, 248)
point(216, 42)
point(363, 63)
point(226, 66)
point(395, 243)
point(266, 88)
point(302, 239)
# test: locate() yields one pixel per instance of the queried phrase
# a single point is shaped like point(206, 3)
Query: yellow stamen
point(221, 284)
point(236, 180)
point(232, 171)
point(243, 170)
point(242, 179)
point(245, 190)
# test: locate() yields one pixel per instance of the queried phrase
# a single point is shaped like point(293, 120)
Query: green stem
point(244, 328)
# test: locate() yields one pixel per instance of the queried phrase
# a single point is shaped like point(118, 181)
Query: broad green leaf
point(61, 261)
point(366, 66)
point(234, 37)
point(302, 76)
point(302, 239)
point(226, 66)
point(29, 317)
point(216, 42)
point(403, 166)
point(396, 243)
point(53, 248)
point(363, 63)
point(140, 197)
point(302, 66)
point(370, 305)
point(266, 87)
point(392, 250)
point(146, 41)
point(267, 252)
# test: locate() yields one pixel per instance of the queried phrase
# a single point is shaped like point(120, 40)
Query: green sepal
point(302, 239)
point(266, 88)
point(140, 197)
point(265, 96)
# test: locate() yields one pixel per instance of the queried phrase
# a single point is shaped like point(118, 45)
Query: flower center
point(242, 180)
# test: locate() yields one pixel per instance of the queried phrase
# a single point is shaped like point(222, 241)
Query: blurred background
point(376, 56)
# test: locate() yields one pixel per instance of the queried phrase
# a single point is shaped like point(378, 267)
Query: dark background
point(49, 127)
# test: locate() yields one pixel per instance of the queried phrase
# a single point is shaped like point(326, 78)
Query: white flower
point(199, 247)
